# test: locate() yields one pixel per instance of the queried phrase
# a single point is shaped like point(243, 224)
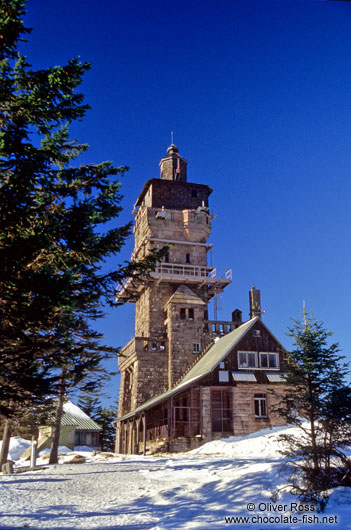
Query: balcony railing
point(211, 274)
point(219, 327)
point(143, 344)
point(178, 273)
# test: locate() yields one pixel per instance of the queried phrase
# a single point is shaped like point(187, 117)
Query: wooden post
point(7, 468)
point(125, 438)
point(118, 438)
point(33, 454)
point(144, 435)
point(137, 436)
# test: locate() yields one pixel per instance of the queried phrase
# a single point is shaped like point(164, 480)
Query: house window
point(291, 407)
point(167, 258)
point(196, 347)
point(268, 360)
point(182, 313)
point(187, 258)
point(191, 314)
point(223, 376)
point(247, 359)
point(260, 403)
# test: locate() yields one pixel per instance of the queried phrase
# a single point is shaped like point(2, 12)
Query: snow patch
point(74, 410)
point(18, 446)
point(61, 449)
point(83, 448)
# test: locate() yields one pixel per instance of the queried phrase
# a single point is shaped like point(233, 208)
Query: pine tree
point(315, 375)
point(108, 430)
point(53, 240)
point(90, 405)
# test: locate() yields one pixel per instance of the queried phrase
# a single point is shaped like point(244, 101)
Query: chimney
point(255, 302)
point(237, 317)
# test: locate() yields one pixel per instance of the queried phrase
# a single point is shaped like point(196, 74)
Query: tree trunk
point(59, 412)
point(5, 443)
point(312, 419)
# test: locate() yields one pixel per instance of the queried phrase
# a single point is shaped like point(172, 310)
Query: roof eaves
point(157, 399)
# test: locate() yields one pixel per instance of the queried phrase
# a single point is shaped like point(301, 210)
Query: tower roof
point(173, 165)
point(184, 295)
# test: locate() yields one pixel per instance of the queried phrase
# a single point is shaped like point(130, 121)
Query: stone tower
point(171, 319)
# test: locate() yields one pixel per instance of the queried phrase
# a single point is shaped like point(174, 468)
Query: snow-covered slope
point(17, 447)
point(229, 478)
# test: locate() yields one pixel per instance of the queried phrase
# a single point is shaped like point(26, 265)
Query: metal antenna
point(171, 137)
point(304, 314)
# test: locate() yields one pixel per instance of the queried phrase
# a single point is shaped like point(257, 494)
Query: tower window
point(187, 258)
point(193, 193)
point(191, 314)
point(196, 347)
point(182, 313)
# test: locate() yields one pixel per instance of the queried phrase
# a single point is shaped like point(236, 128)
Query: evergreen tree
point(108, 430)
point(318, 404)
point(53, 240)
point(90, 405)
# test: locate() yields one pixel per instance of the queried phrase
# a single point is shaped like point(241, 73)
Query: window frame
point(259, 399)
point(196, 347)
point(247, 367)
point(268, 367)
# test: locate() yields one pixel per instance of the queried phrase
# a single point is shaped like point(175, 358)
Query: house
point(76, 429)
point(186, 379)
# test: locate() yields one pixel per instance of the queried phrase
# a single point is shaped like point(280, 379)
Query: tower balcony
point(180, 273)
point(139, 346)
point(216, 278)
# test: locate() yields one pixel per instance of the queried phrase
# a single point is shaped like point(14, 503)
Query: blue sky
point(258, 95)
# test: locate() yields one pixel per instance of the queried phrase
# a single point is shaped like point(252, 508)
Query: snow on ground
point(17, 447)
point(196, 490)
point(61, 449)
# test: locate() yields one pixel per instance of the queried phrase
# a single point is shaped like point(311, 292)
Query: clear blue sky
point(258, 95)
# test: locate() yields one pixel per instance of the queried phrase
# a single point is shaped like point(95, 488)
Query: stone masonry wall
point(244, 418)
point(205, 399)
point(182, 335)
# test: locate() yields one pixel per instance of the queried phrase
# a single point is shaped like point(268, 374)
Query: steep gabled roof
point(204, 366)
point(219, 351)
point(73, 415)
